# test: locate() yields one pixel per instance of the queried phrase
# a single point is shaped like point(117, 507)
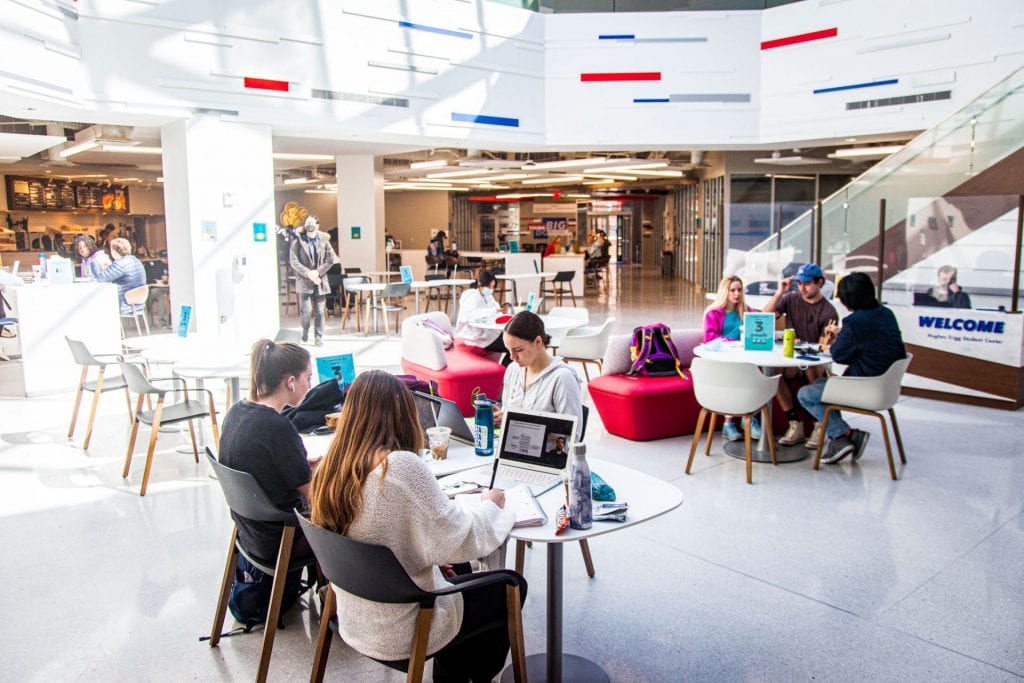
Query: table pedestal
point(555, 666)
point(783, 454)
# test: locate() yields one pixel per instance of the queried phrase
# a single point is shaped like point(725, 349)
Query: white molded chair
point(571, 312)
point(136, 298)
point(868, 396)
point(737, 389)
point(422, 345)
point(587, 345)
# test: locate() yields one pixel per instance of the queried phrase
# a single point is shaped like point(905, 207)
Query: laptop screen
point(426, 410)
point(535, 438)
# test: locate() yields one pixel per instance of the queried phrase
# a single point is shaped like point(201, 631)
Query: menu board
point(47, 193)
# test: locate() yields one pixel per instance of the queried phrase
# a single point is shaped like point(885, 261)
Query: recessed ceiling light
point(553, 180)
point(125, 149)
point(609, 176)
point(437, 163)
point(565, 163)
point(300, 181)
point(456, 174)
point(859, 152)
point(627, 166)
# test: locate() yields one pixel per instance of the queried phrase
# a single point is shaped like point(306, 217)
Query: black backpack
point(250, 593)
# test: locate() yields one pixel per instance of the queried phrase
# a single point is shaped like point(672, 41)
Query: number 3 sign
point(759, 331)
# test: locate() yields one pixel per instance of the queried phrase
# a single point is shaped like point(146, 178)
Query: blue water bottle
point(483, 426)
point(42, 265)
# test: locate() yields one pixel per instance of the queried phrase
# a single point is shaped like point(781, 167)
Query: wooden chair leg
point(324, 637)
point(587, 560)
point(195, 446)
point(746, 442)
point(766, 424)
point(225, 590)
point(520, 557)
point(284, 556)
point(696, 437)
point(213, 419)
point(419, 645)
point(78, 401)
point(711, 433)
point(821, 441)
point(128, 400)
point(586, 373)
point(92, 411)
point(888, 446)
point(384, 314)
point(152, 444)
point(515, 633)
point(896, 432)
point(131, 439)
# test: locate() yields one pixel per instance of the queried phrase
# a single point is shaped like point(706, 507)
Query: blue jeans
point(810, 398)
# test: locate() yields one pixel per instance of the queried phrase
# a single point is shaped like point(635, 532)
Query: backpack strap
point(644, 352)
point(675, 354)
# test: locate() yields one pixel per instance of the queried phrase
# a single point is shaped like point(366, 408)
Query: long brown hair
point(379, 415)
point(272, 363)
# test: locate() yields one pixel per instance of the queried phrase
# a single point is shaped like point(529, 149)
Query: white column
point(218, 183)
point(361, 205)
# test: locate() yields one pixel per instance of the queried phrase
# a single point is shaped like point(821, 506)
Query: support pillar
point(361, 205)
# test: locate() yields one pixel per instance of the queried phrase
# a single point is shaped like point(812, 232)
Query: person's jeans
point(307, 304)
point(810, 398)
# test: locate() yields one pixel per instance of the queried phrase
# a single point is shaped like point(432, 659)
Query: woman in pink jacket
point(723, 320)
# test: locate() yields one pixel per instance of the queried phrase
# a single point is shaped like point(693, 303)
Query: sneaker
point(319, 342)
point(794, 434)
point(838, 448)
point(730, 433)
point(755, 428)
point(860, 442)
point(816, 436)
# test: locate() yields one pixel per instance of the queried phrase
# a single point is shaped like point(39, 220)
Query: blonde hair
point(121, 246)
point(722, 297)
point(379, 416)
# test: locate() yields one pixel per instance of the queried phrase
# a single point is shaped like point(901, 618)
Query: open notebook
point(521, 501)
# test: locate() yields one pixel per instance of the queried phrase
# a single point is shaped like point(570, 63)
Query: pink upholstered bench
point(645, 408)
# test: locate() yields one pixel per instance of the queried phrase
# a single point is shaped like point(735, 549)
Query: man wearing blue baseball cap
point(811, 315)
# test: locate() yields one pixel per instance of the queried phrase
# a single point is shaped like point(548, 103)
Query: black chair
point(353, 299)
point(351, 271)
point(521, 546)
point(500, 286)
point(387, 301)
point(245, 498)
point(86, 360)
point(335, 283)
point(372, 572)
point(436, 293)
point(161, 414)
point(559, 285)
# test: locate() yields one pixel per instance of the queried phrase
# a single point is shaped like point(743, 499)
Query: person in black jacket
point(868, 344)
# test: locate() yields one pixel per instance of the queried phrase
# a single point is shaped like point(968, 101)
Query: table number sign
point(183, 321)
point(759, 331)
point(406, 272)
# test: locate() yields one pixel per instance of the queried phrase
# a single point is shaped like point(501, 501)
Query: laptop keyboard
point(525, 476)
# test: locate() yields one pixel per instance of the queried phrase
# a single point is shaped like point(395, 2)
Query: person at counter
point(93, 258)
point(127, 272)
point(475, 303)
point(437, 255)
point(947, 293)
point(811, 315)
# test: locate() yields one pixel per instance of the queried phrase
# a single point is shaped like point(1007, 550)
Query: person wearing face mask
point(477, 304)
point(311, 256)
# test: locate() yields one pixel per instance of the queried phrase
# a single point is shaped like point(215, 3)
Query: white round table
point(556, 326)
point(453, 282)
point(733, 352)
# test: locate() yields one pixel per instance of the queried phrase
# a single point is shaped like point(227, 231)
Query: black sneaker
point(860, 442)
point(838, 448)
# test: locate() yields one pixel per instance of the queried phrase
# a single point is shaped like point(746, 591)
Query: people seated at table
point(127, 272)
point(373, 487)
point(477, 304)
point(535, 380)
point(256, 438)
point(947, 293)
point(868, 343)
point(812, 316)
point(438, 256)
point(92, 258)
point(722, 320)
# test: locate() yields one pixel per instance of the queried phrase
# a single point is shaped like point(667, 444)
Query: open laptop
point(445, 414)
point(534, 450)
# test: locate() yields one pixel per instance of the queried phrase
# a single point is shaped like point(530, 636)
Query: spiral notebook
point(520, 501)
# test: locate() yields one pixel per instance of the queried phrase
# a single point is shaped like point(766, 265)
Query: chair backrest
point(435, 276)
point(244, 495)
point(345, 282)
point(423, 346)
point(137, 295)
point(286, 335)
point(81, 353)
point(334, 280)
point(353, 270)
point(137, 381)
point(731, 388)
point(396, 289)
point(869, 393)
point(573, 312)
point(565, 276)
point(370, 572)
point(583, 426)
point(588, 343)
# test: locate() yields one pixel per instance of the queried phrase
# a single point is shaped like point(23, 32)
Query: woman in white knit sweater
point(373, 487)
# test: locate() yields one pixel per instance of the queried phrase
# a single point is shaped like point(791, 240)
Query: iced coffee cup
point(437, 441)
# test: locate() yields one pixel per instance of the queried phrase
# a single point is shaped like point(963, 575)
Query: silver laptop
point(534, 450)
point(446, 414)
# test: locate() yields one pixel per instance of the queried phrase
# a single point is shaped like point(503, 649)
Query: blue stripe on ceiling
point(647, 100)
point(489, 120)
point(617, 36)
point(855, 86)
point(435, 29)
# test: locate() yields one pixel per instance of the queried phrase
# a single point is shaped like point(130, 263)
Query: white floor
point(840, 574)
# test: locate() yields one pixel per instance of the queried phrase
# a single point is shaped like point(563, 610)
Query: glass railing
point(937, 162)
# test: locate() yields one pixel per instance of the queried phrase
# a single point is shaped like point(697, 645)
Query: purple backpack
point(653, 353)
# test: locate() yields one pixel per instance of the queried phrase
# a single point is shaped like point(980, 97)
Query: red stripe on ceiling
point(800, 38)
point(622, 76)
point(265, 84)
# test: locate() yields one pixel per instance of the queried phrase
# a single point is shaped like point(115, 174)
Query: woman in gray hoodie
point(535, 380)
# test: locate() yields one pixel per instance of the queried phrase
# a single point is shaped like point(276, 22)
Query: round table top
point(733, 352)
point(366, 287)
point(453, 282)
point(522, 276)
point(552, 323)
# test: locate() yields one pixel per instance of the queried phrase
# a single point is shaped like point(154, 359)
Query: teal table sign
point(341, 368)
point(759, 331)
point(406, 272)
point(513, 246)
point(183, 321)
point(357, 232)
point(259, 232)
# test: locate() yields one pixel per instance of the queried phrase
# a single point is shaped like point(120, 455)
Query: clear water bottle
point(581, 513)
point(42, 266)
point(483, 426)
